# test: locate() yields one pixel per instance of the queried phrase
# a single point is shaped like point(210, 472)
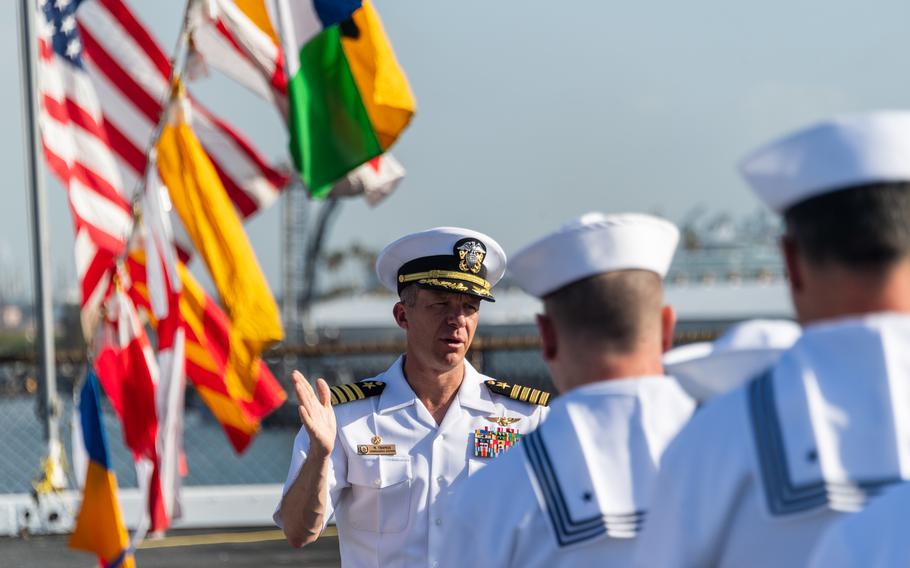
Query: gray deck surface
point(242, 548)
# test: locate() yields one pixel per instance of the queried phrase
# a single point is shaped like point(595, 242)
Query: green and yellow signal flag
point(349, 100)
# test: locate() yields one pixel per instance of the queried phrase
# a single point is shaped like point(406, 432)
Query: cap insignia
point(471, 253)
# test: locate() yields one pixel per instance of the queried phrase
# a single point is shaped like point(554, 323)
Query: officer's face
point(440, 326)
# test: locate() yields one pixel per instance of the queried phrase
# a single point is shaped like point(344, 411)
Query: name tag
point(376, 448)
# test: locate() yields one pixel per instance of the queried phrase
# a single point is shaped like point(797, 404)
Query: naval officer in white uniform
point(576, 490)
point(385, 454)
point(758, 474)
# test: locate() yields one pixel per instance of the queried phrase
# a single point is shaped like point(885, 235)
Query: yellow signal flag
point(217, 233)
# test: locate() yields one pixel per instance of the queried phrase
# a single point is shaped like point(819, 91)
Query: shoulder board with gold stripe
point(519, 392)
point(356, 391)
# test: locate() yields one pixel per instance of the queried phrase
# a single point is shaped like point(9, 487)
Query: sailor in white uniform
point(576, 490)
point(876, 537)
point(384, 455)
point(758, 474)
point(711, 368)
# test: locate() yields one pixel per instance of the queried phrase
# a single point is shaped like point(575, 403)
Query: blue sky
point(529, 114)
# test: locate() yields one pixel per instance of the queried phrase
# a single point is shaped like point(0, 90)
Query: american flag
point(131, 74)
point(78, 151)
point(103, 83)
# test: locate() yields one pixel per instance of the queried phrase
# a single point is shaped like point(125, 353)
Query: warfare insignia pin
point(471, 253)
point(376, 448)
point(503, 420)
point(490, 443)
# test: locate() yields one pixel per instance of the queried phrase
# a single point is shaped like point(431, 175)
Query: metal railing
point(211, 460)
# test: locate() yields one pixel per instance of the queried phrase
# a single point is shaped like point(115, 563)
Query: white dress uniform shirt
point(876, 537)
point(576, 490)
point(706, 370)
point(758, 474)
point(393, 510)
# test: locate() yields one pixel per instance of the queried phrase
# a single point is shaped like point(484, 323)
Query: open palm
point(316, 413)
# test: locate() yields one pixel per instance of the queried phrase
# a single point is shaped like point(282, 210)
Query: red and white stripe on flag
point(78, 151)
point(130, 376)
point(155, 290)
point(228, 40)
point(375, 180)
point(102, 80)
point(131, 73)
point(163, 286)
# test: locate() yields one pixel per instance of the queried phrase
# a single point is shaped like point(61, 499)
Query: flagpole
point(34, 179)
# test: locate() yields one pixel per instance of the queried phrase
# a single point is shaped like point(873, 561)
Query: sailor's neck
point(597, 368)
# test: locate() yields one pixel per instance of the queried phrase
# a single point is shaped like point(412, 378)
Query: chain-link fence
point(508, 354)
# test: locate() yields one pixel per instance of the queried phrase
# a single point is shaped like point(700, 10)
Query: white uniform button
point(440, 479)
point(438, 521)
point(377, 482)
point(435, 564)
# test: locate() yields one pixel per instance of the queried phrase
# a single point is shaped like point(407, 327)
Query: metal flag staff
point(48, 404)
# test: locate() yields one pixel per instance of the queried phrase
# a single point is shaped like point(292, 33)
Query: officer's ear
point(667, 326)
point(548, 343)
point(401, 315)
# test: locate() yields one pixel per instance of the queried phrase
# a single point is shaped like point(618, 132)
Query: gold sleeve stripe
point(342, 397)
point(518, 392)
point(525, 391)
point(348, 391)
point(355, 391)
point(359, 392)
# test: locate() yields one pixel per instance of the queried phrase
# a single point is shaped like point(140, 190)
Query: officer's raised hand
point(303, 506)
point(316, 413)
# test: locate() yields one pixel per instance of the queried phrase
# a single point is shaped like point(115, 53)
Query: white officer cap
point(592, 244)
point(705, 370)
point(835, 154)
point(450, 259)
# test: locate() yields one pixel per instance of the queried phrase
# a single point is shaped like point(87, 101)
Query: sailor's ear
point(667, 326)
point(548, 339)
point(793, 263)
